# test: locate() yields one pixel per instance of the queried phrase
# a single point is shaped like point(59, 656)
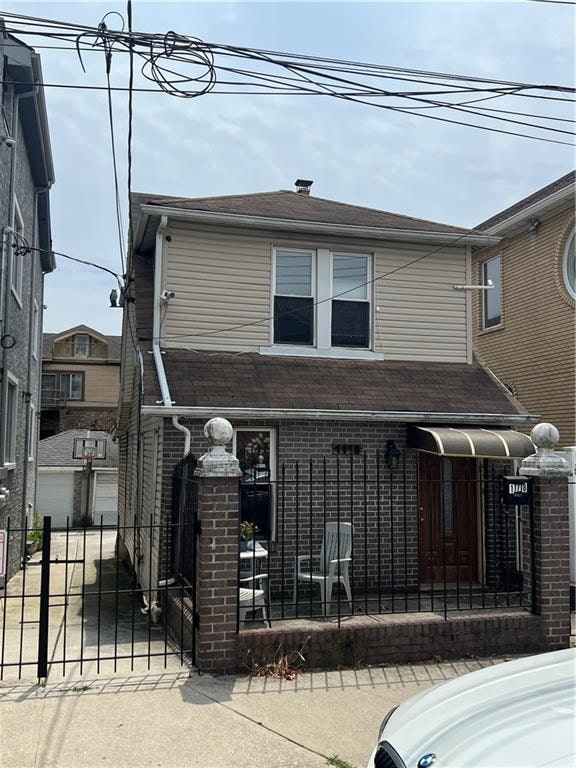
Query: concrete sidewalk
point(174, 720)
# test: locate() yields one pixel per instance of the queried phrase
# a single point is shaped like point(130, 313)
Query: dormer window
point(81, 345)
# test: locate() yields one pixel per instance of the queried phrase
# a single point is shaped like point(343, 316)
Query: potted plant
point(34, 536)
point(247, 533)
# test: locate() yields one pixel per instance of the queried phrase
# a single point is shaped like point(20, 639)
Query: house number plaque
point(515, 489)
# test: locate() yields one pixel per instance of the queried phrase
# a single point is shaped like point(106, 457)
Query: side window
point(294, 297)
point(492, 297)
point(31, 431)
point(569, 265)
point(11, 419)
point(16, 276)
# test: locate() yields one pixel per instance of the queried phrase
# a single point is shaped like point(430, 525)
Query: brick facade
point(552, 560)
point(20, 476)
point(217, 574)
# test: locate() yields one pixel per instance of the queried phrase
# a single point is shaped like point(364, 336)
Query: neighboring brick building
point(524, 329)
point(26, 175)
point(80, 381)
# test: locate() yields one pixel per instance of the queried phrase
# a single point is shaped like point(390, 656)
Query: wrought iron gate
point(76, 608)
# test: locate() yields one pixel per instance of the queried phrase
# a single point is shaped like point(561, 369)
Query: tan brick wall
point(534, 349)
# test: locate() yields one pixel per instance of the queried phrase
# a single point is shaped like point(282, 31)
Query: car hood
point(521, 713)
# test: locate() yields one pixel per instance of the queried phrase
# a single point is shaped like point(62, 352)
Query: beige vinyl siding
point(534, 349)
point(419, 315)
point(223, 278)
point(101, 382)
point(220, 280)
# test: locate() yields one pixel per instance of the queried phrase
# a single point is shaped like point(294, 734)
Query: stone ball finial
point(545, 435)
point(218, 431)
point(546, 462)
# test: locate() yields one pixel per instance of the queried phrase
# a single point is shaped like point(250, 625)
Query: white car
point(520, 714)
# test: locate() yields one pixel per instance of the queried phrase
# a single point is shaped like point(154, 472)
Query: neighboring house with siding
point(26, 175)
point(80, 380)
point(525, 327)
point(315, 327)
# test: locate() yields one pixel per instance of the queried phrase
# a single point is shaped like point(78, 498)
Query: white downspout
point(163, 381)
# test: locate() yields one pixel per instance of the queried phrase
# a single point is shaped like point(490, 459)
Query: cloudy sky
point(221, 144)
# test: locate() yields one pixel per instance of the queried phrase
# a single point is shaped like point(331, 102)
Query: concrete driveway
point(175, 721)
point(91, 630)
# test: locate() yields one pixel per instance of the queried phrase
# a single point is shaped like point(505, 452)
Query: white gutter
point(263, 222)
point(567, 193)
point(163, 381)
point(204, 412)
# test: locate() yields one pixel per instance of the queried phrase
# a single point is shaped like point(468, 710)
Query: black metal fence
point(346, 536)
point(77, 607)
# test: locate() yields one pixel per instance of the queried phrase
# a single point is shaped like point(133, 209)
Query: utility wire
point(316, 303)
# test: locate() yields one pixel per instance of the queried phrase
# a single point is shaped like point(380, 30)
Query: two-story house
point(325, 332)
point(26, 175)
point(80, 380)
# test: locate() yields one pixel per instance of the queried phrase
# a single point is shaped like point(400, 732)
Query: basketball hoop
point(88, 459)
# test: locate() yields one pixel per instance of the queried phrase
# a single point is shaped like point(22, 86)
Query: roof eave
point(264, 222)
point(205, 412)
point(556, 198)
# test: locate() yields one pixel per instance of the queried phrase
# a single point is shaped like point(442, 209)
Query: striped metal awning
point(471, 441)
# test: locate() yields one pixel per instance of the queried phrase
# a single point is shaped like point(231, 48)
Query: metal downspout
point(163, 381)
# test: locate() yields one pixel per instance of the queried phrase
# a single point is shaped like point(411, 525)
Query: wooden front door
point(448, 509)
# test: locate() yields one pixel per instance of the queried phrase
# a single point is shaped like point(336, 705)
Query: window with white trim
point(569, 265)
point(492, 301)
point(16, 272)
point(11, 420)
point(294, 297)
point(351, 303)
point(72, 385)
point(31, 431)
point(322, 299)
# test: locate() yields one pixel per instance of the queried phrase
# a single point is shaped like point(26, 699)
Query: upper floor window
point(16, 276)
point(492, 301)
point(11, 420)
point(569, 267)
point(81, 345)
point(294, 297)
point(59, 387)
point(351, 305)
point(322, 299)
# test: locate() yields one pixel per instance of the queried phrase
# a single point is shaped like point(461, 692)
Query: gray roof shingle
point(285, 204)
point(535, 197)
point(114, 342)
point(57, 451)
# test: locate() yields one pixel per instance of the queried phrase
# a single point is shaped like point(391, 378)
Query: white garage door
point(106, 498)
point(55, 496)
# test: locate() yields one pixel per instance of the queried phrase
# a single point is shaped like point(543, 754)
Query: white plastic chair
point(333, 563)
point(252, 600)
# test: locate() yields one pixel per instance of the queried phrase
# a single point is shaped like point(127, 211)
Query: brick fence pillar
point(551, 536)
point(218, 476)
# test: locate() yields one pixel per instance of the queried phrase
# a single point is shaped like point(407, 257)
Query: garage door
point(55, 496)
point(106, 498)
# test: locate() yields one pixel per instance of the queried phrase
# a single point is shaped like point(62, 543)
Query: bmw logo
point(427, 760)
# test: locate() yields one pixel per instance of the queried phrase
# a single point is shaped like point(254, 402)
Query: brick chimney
point(303, 186)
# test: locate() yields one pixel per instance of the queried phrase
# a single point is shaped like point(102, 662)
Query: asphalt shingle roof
point(48, 339)
point(57, 451)
point(285, 204)
point(535, 197)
